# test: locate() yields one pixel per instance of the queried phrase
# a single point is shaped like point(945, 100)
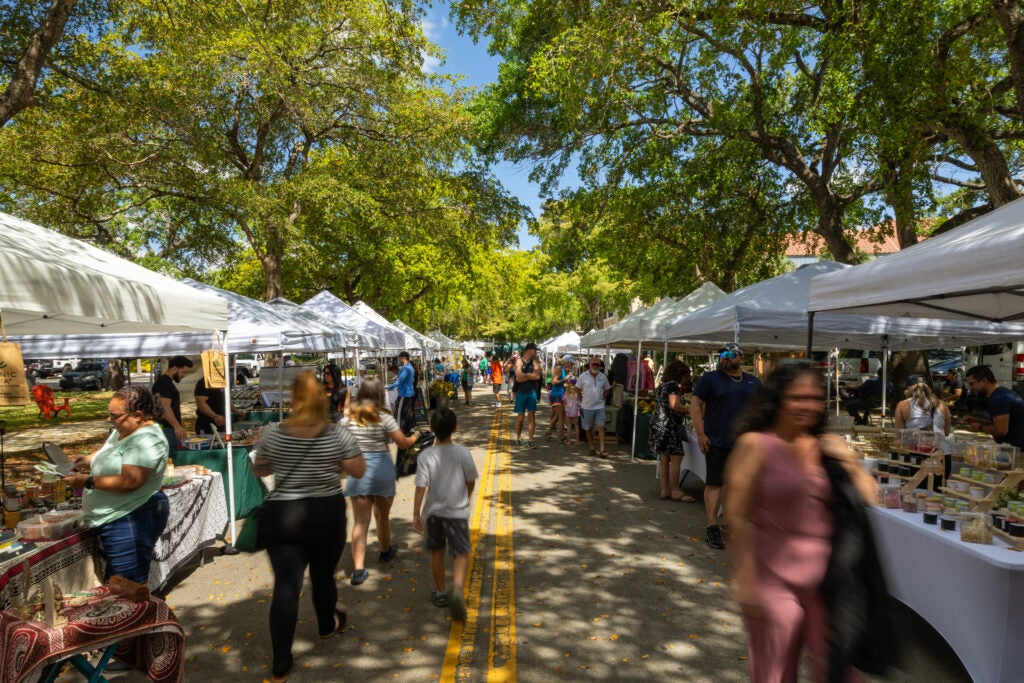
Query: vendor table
point(199, 516)
point(70, 561)
point(973, 595)
point(148, 637)
point(248, 489)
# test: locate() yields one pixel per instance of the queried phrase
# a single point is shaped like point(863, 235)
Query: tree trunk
point(1008, 14)
point(989, 159)
point(20, 91)
point(271, 275)
point(898, 184)
point(830, 227)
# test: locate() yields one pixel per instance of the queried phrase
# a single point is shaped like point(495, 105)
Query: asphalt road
point(579, 573)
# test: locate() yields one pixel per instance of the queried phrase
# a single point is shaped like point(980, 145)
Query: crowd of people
point(788, 492)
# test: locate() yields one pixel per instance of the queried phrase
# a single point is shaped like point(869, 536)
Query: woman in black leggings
point(303, 520)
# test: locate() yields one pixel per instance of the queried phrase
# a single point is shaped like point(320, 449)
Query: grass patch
point(85, 405)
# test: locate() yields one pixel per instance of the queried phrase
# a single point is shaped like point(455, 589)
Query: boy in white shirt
point(445, 477)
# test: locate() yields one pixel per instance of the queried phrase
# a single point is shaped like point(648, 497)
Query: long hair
point(762, 411)
point(368, 404)
point(923, 396)
point(675, 371)
point(309, 401)
point(138, 398)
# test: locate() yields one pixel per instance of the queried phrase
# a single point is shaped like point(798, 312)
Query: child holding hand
point(572, 410)
point(445, 477)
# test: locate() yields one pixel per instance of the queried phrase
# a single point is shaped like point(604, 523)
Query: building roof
point(880, 239)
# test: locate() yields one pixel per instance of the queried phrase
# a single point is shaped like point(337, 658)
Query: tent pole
point(280, 384)
point(810, 333)
point(229, 547)
point(636, 401)
point(885, 376)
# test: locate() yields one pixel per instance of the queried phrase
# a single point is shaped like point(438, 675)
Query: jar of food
point(975, 527)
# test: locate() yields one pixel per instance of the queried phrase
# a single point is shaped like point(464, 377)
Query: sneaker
point(440, 598)
point(359, 576)
point(531, 444)
point(389, 554)
point(520, 442)
point(457, 606)
point(714, 537)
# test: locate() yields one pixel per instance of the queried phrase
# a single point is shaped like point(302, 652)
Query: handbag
point(405, 462)
point(13, 382)
point(249, 539)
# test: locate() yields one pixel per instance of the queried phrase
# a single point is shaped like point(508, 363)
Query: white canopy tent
point(469, 349)
point(974, 272)
point(772, 315)
point(409, 342)
point(252, 327)
point(567, 342)
point(446, 343)
point(426, 343)
point(53, 284)
point(331, 307)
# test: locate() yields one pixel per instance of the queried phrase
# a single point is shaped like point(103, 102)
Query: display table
point(150, 639)
point(263, 416)
point(973, 595)
point(70, 561)
point(199, 516)
point(249, 490)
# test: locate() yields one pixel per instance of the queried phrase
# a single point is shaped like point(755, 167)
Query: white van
point(1006, 361)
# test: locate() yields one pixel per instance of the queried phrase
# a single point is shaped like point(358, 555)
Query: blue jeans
point(128, 542)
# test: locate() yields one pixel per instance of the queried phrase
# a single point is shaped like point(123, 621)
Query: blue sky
point(478, 68)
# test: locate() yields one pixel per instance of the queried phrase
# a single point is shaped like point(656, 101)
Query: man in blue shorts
point(718, 399)
point(527, 375)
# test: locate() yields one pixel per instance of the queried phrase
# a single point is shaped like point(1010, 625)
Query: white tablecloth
point(693, 462)
point(199, 516)
point(973, 595)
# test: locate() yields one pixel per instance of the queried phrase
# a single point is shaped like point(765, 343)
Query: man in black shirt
point(955, 394)
point(164, 387)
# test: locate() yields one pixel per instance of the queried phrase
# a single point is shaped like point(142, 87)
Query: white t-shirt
point(593, 387)
point(444, 470)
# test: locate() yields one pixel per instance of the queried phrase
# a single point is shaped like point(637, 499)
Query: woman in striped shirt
point(373, 428)
point(303, 521)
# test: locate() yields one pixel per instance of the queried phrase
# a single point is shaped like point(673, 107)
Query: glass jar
point(975, 527)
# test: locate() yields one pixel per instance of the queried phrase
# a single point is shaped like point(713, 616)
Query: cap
point(914, 380)
point(568, 359)
point(731, 349)
point(530, 346)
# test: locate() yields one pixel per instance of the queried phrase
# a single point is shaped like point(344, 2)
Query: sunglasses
point(115, 416)
point(729, 355)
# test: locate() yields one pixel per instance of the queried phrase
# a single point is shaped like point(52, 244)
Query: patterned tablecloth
point(199, 517)
point(72, 562)
point(152, 640)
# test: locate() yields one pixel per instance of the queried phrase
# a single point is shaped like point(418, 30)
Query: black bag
point(405, 461)
point(249, 540)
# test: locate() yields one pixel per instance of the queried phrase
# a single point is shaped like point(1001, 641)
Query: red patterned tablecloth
point(152, 640)
point(70, 561)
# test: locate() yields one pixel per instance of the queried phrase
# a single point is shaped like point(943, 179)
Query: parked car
point(87, 375)
point(249, 364)
point(1006, 361)
point(55, 366)
point(856, 366)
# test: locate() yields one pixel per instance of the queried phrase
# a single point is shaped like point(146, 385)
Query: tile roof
point(878, 239)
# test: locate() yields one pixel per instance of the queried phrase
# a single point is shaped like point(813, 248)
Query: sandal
point(440, 598)
point(283, 677)
point(603, 455)
point(683, 498)
point(340, 620)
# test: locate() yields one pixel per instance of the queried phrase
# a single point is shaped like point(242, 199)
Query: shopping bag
point(13, 384)
point(249, 540)
point(215, 366)
point(405, 461)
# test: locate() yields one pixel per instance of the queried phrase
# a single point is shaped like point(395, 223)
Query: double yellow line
point(494, 498)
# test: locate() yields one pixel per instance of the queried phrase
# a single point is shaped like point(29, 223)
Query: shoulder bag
point(249, 539)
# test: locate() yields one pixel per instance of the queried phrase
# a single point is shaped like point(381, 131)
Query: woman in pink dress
point(780, 522)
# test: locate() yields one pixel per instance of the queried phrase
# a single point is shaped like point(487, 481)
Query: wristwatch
point(89, 483)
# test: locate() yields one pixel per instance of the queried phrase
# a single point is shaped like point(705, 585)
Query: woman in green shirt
point(123, 503)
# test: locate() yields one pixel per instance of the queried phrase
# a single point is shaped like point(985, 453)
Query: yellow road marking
point(459, 653)
point(503, 617)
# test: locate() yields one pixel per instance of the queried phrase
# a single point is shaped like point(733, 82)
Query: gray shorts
point(592, 418)
point(450, 532)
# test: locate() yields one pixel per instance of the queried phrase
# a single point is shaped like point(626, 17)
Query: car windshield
point(90, 367)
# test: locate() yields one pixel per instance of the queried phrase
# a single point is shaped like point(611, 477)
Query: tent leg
point(229, 547)
point(636, 402)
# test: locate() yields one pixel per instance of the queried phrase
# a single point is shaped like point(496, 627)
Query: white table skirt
point(973, 595)
point(694, 461)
